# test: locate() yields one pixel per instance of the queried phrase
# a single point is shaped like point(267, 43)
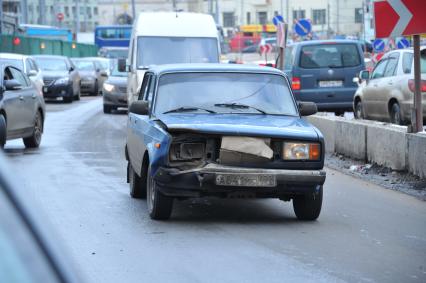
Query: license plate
point(246, 180)
point(45, 89)
point(330, 83)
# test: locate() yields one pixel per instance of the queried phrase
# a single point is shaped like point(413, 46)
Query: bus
point(48, 32)
point(113, 36)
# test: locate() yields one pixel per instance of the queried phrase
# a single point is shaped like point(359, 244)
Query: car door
point(28, 95)
point(387, 86)
point(135, 137)
point(74, 77)
point(372, 88)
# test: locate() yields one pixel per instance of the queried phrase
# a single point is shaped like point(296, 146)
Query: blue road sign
point(379, 45)
point(277, 19)
point(302, 27)
point(402, 43)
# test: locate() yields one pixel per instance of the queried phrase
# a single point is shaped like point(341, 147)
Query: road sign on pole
point(277, 19)
point(281, 43)
point(379, 45)
point(302, 27)
point(402, 43)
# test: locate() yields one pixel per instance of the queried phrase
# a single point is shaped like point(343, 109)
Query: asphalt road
point(364, 234)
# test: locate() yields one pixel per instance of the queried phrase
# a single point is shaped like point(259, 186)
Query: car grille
point(48, 81)
point(122, 89)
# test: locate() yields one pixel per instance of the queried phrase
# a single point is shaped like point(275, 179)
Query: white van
point(167, 38)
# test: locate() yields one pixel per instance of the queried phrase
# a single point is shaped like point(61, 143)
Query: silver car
point(388, 93)
point(92, 77)
point(115, 90)
point(27, 64)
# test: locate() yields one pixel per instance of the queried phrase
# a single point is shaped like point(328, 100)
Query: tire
point(35, 140)
point(3, 131)
point(308, 207)
point(339, 113)
point(68, 99)
point(395, 114)
point(96, 89)
point(359, 112)
point(137, 184)
point(159, 205)
point(107, 109)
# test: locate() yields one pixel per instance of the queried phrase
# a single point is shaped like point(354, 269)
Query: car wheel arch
point(3, 113)
point(391, 102)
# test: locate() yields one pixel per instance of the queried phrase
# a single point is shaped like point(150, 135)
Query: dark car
point(322, 71)
point(226, 131)
point(92, 77)
point(115, 90)
point(60, 76)
point(22, 109)
point(29, 250)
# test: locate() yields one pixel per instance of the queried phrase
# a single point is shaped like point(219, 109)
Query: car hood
point(118, 81)
point(55, 74)
point(84, 73)
point(273, 126)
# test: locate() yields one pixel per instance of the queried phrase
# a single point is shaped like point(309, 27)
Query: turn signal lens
point(301, 151)
point(295, 83)
point(314, 151)
point(157, 145)
point(422, 85)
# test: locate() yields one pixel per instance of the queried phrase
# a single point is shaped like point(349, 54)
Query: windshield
point(329, 55)
point(116, 53)
point(268, 93)
point(84, 65)
point(50, 64)
point(169, 50)
point(14, 62)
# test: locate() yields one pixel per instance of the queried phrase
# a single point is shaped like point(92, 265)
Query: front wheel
point(159, 205)
point(107, 109)
point(136, 183)
point(395, 114)
point(68, 99)
point(308, 207)
point(3, 131)
point(359, 114)
point(35, 140)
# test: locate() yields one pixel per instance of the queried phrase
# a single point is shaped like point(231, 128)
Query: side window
point(29, 65)
point(144, 86)
point(33, 62)
point(151, 90)
point(392, 64)
point(407, 62)
point(379, 71)
point(17, 75)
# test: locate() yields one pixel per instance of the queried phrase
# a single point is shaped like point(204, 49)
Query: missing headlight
point(186, 151)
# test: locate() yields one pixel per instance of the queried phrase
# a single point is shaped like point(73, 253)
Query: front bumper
point(202, 181)
point(88, 86)
point(115, 99)
point(54, 91)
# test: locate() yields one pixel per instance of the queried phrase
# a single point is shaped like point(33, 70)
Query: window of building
point(358, 15)
point(318, 17)
point(67, 11)
point(262, 18)
point(73, 10)
point(95, 10)
point(228, 19)
point(248, 18)
point(298, 14)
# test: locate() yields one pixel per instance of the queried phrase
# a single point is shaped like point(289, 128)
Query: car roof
point(50, 56)
point(12, 56)
point(213, 67)
point(325, 41)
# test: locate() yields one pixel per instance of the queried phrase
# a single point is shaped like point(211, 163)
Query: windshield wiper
point(239, 106)
point(188, 109)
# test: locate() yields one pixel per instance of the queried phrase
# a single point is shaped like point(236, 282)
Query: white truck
point(167, 38)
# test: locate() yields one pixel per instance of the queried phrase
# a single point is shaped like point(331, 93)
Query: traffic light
point(16, 41)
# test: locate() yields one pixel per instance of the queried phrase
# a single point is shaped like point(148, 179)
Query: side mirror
point(32, 73)
point(122, 65)
point(364, 75)
point(139, 107)
point(71, 69)
point(307, 108)
point(12, 85)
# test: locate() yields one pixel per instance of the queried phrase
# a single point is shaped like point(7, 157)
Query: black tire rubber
point(3, 131)
point(308, 207)
point(137, 184)
point(68, 99)
point(35, 140)
point(159, 206)
point(96, 90)
point(395, 114)
point(359, 112)
point(107, 109)
point(339, 113)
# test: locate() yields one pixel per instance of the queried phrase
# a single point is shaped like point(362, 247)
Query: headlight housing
point(62, 81)
point(108, 87)
point(301, 151)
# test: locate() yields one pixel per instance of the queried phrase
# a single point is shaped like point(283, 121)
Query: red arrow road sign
point(399, 17)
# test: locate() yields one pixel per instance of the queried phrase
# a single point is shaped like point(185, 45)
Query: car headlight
point(62, 81)
point(108, 87)
point(301, 151)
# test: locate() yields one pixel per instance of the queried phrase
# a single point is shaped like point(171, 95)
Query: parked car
point(30, 251)
point(114, 52)
point(92, 77)
point(243, 137)
point(388, 94)
point(26, 64)
point(60, 76)
point(115, 90)
point(22, 109)
point(322, 71)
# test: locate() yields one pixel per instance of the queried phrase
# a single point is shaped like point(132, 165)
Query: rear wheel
point(35, 140)
point(308, 207)
point(395, 114)
point(136, 183)
point(359, 114)
point(159, 205)
point(2, 131)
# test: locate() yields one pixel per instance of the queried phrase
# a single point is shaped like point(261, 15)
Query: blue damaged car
point(227, 131)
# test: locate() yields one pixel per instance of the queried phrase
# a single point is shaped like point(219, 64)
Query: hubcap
point(38, 128)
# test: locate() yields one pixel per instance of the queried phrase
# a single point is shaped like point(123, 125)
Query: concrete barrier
point(417, 154)
point(327, 127)
point(350, 139)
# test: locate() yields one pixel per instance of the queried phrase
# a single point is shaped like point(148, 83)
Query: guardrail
point(376, 142)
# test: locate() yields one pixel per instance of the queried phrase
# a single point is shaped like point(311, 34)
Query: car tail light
point(422, 85)
point(295, 83)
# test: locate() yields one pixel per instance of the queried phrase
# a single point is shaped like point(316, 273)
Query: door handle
point(21, 97)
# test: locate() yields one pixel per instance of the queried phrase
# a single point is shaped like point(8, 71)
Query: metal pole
point(417, 88)
point(24, 12)
point(134, 9)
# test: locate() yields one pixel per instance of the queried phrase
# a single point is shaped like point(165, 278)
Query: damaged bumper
point(215, 179)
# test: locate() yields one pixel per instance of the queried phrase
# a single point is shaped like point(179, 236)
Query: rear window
point(329, 56)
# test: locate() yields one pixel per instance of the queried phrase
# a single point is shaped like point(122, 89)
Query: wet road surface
point(364, 234)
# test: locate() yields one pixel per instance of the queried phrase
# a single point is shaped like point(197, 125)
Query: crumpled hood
point(242, 125)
